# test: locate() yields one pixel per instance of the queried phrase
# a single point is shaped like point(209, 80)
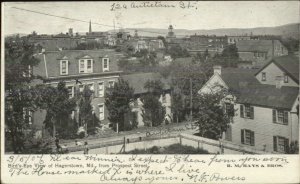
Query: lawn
point(172, 149)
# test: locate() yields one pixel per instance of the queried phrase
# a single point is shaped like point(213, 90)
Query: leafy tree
point(187, 79)
point(117, 101)
point(291, 44)
point(58, 106)
point(228, 58)
point(86, 116)
point(19, 60)
point(210, 115)
point(177, 106)
point(176, 51)
point(163, 40)
point(154, 112)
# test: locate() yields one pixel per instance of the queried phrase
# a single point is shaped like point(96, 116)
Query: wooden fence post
point(180, 140)
point(124, 144)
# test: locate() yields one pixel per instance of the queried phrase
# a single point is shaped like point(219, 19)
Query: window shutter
point(242, 111)
point(274, 116)
point(252, 112)
point(231, 110)
point(242, 136)
point(252, 138)
point(286, 145)
point(275, 143)
point(285, 117)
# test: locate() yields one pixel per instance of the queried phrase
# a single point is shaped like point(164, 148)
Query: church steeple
point(90, 28)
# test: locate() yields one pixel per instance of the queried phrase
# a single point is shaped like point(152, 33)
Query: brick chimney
point(279, 81)
point(217, 69)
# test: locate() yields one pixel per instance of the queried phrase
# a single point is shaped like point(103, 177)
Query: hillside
point(289, 30)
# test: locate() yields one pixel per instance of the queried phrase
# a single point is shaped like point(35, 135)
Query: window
point(247, 137)
point(71, 91)
point(101, 111)
point(85, 66)
point(247, 111)
point(28, 73)
point(89, 65)
point(81, 66)
point(64, 67)
point(105, 64)
point(280, 116)
point(100, 89)
point(111, 84)
point(229, 109)
point(286, 78)
point(91, 86)
point(263, 76)
point(81, 87)
point(280, 144)
point(27, 116)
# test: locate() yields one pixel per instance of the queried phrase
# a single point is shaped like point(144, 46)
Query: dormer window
point(105, 64)
point(64, 68)
point(85, 66)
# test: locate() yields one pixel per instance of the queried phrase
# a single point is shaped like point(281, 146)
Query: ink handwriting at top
point(151, 4)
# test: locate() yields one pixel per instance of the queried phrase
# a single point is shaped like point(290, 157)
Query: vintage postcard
point(150, 92)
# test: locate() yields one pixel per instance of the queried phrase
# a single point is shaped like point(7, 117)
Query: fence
point(127, 144)
point(215, 146)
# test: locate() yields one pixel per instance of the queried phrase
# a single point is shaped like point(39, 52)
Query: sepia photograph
point(175, 79)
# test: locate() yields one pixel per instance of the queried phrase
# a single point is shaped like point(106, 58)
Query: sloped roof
point(289, 64)
point(237, 78)
point(138, 80)
point(269, 96)
point(255, 45)
point(51, 61)
point(248, 90)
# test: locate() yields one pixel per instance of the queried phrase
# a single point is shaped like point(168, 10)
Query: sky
point(200, 15)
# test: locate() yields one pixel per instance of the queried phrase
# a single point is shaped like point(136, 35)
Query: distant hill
point(289, 30)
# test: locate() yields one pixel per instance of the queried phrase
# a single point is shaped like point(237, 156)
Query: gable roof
point(243, 84)
point(237, 78)
point(138, 80)
point(255, 45)
point(289, 64)
point(269, 96)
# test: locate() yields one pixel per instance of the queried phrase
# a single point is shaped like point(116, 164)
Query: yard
point(172, 149)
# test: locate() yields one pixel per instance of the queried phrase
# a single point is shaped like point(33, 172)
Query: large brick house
point(266, 103)
point(96, 69)
point(259, 52)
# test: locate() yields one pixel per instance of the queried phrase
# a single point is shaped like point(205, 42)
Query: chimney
point(217, 69)
point(279, 81)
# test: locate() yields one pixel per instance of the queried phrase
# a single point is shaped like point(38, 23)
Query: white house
point(266, 103)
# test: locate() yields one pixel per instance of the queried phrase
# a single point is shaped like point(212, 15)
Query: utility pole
point(191, 98)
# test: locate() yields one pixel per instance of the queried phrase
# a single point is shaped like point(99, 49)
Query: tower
point(171, 33)
point(90, 28)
